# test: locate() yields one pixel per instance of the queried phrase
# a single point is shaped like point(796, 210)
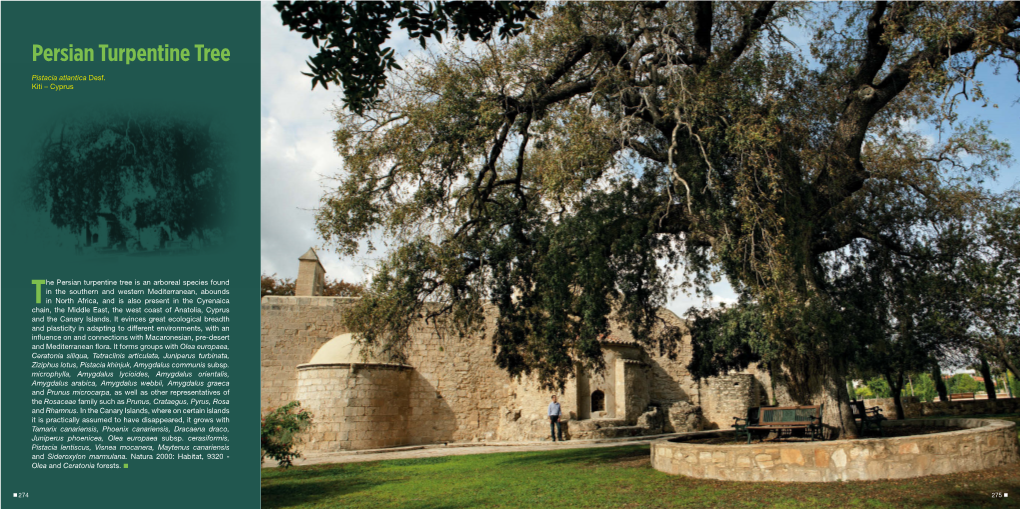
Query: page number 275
point(999, 494)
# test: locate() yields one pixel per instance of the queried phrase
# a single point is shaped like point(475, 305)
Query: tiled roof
point(614, 340)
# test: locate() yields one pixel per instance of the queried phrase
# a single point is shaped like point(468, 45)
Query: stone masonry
point(986, 444)
point(915, 409)
point(363, 407)
point(729, 396)
point(447, 388)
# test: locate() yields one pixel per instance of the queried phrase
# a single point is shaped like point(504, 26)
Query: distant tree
point(900, 308)
point(350, 36)
point(924, 387)
point(879, 386)
point(1013, 385)
point(962, 383)
point(341, 288)
point(864, 392)
point(274, 285)
point(728, 338)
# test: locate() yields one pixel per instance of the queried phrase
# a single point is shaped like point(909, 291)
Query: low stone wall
point(986, 443)
point(915, 409)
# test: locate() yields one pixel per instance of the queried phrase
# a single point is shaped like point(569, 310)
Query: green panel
point(225, 95)
point(788, 414)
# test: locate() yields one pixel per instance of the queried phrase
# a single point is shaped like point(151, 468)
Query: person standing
point(554, 420)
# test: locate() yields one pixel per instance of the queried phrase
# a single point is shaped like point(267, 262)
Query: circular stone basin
point(984, 443)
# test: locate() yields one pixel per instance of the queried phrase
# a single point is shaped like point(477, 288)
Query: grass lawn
point(607, 477)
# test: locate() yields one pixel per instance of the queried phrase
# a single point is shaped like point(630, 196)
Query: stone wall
point(728, 396)
point(524, 414)
point(668, 379)
point(634, 388)
point(456, 389)
point(606, 381)
point(293, 329)
point(915, 409)
point(988, 443)
point(355, 406)
point(455, 392)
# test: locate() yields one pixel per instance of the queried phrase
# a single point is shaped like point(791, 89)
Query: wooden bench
point(779, 418)
point(867, 418)
point(963, 395)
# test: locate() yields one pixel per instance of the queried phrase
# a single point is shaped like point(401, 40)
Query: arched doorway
point(598, 401)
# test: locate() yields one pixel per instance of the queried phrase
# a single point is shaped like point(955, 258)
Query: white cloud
point(297, 151)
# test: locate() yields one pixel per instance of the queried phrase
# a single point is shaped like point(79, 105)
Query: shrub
point(879, 387)
point(279, 428)
point(924, 387)
point(863, 392)
point(963, 383)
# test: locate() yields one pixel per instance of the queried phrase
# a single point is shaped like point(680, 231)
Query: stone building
point(447, 388)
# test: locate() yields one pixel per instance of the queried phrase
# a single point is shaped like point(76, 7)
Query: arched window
point(598, 401)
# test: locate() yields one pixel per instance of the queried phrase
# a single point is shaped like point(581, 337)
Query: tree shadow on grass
point(581, 457)
point(962, 499)
point(965, 489)
point(969, 489)
point(313, 484)
point(333, 484)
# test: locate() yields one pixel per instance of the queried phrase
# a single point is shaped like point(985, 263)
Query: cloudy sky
point(297, 153)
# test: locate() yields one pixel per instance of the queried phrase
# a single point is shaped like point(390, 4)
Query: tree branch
point(866, 101)
point(751, 27)
point(702, 33)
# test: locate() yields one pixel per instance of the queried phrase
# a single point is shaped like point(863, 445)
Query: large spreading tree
point(572, 172)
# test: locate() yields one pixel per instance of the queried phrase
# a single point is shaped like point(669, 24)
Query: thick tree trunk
point(1006, 361)
point(818, 381)
point(940, 384)
point(1009, 388)
point(896, 384)
point(998, 349)
point(986, 373)
point(1010, 365)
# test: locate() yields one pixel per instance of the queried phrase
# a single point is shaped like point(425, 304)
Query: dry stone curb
point(986, 443)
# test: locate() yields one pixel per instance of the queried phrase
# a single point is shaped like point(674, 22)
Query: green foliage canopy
point(349, 36)
point(962, 383)
point(567, 174)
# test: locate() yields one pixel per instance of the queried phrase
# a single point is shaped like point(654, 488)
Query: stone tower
point(311, 279)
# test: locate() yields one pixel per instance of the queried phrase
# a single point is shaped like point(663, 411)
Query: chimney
point(311, 279)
